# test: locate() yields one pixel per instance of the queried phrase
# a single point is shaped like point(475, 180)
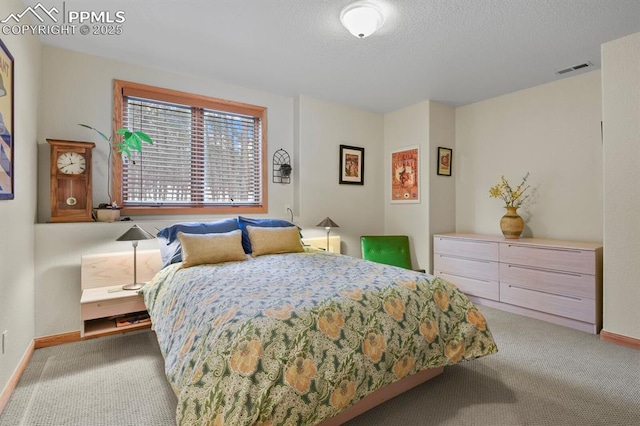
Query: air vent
point(574, 68)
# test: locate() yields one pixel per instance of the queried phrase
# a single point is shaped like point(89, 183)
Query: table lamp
point(134, 234)
point(327, 224)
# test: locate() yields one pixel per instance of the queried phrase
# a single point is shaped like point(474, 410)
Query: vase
point(511, 224)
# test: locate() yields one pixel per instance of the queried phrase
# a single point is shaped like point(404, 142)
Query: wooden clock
point(71, 193)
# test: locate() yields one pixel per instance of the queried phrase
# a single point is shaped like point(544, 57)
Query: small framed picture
point(445, 158)
point(405, 177)
point(351, 165)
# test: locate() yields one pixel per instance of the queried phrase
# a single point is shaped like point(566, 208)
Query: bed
point(286, 335)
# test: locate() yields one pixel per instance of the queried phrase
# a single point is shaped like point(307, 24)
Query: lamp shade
point(135, 233)
point(361, 19)
point(328, 223)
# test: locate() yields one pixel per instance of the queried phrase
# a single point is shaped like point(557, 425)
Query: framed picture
point(351, 165)
point(7, 137)
point(445, 158)
point(405, 175)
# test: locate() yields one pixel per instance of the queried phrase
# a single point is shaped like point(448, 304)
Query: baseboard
point(37, 343)
point(57, 339)
point(619, 339)
point(15, 377)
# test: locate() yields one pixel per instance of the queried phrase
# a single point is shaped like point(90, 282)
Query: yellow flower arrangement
point(512, 197)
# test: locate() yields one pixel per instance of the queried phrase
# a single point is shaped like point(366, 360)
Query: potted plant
point(131, 141)
point(285, 170)
point(511, 223)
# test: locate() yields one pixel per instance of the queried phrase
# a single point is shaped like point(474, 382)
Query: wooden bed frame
point(382, 395)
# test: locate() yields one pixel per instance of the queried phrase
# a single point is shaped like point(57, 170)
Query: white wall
point(57, 270)
point(551, 131)
point(428, 125)
point(442, 189)
point(321, 128)
point(77, 88)
point(621, 117)
point(404, 128)
point(18, 215)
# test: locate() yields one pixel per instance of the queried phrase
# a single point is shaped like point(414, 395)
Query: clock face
point(71, 163)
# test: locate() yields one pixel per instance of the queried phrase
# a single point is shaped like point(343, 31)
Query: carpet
point(543, 374)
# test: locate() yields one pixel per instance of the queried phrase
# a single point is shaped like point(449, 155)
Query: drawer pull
point(466, 240)
point(465, 258)
point(577, 299)
point(468, 278)
point(545, 248)
point(551, 271)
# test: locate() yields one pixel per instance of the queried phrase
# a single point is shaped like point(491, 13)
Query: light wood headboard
point(109, 269)
point(321, 242)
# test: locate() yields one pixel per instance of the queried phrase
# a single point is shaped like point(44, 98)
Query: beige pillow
point(274, 240)
point(198, 249)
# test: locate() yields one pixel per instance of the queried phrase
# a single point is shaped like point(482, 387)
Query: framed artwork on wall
point(7, 137)
point(351, 165)
point(405, 175)
point(445, 159)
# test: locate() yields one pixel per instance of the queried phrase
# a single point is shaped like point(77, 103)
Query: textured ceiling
point(452, 51)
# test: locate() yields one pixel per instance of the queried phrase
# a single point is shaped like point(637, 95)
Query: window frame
point(123, 88)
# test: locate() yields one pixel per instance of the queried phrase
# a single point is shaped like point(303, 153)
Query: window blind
point(199, 156)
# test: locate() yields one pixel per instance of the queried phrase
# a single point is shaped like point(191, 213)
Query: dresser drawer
point(471, 286)
point(108, 308)
point(562, 259)
point(555, 282)
point(484, 250)
point(580, 309)
point(478, 269)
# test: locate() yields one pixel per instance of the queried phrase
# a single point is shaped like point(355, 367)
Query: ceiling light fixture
point(362, 19)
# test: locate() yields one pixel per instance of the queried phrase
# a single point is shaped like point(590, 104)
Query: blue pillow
point(170, 248)
point(264, 223)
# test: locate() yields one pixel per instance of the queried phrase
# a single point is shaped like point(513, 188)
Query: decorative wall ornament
point(282, 167)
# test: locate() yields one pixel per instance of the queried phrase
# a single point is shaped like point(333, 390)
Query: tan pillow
point(198, 249)
point(274, 240)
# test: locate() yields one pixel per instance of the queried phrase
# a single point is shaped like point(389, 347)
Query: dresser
point(551, 280)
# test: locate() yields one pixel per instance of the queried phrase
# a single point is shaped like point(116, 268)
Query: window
point(208, 155)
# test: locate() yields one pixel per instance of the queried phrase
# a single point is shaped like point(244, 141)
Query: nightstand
point(105, 307)
point(101, 307)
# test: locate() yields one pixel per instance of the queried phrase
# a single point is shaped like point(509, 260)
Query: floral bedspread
point(294, 339)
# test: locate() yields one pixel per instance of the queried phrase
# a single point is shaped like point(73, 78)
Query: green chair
point(387, 249)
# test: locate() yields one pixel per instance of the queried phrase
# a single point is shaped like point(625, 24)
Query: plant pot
point(285, 170)
point(108, 215)
point(512, 224)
